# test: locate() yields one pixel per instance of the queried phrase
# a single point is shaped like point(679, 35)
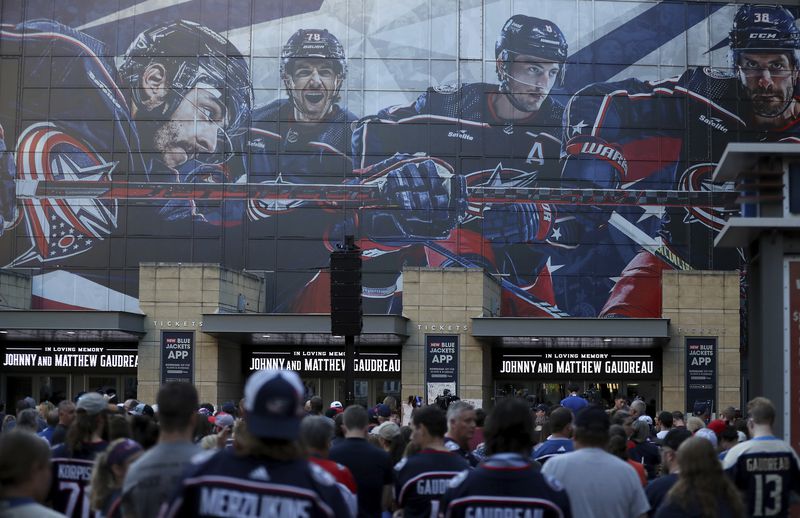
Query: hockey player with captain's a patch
point(665, 135)
point(452, 137)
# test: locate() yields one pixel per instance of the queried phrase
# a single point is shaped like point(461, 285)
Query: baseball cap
point(122, 451)
point(273, 400)
point(229, 407)
point(143, 409)
point(592, 417)
point(717, 425)
point(382, 410)
point(92, 403)
point(387, 430)
point(707, 433)
point(337, 405)
point(675, 437)
point(647, 419)
point(222, 420)
point(541, 407)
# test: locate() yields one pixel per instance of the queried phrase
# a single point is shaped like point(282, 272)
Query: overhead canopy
point(71, 326)
point(572, 332)
point(301, 329)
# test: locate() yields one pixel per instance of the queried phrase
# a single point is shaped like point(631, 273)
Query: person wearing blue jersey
point(507, 483)
point(303, 138)
point(669, 134)
point(560, 440)
point(267, 474)
point(574, 401)
point(766, 469)
point(454, 136)
point(421, 479)
point(73, 460)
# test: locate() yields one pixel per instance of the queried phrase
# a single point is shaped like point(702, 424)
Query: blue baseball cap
point(273, 402)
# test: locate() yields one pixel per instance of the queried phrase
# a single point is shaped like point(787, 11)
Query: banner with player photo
point(569, 149)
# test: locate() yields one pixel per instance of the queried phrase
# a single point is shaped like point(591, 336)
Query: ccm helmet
point(765, 28)
point(526, 35)
point(193, 56)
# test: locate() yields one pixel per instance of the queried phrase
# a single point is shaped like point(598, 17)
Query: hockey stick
point(357, 194)
point(551, 310)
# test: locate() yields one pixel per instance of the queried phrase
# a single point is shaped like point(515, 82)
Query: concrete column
point(444, 301)
point(174, 297)
point(702, 304)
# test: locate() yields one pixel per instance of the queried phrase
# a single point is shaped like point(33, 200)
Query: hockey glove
point(428, 200)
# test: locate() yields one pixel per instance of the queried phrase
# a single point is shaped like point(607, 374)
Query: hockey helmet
point(526, 35)
point(764, 27)
point(313, 43)
point(193, 56)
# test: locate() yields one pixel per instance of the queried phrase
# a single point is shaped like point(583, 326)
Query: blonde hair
point(694, 423)
point(103, 481)
point(209, 442)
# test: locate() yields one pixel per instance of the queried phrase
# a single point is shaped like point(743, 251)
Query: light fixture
point(606, 340)
point(264, 336)
point(3, 332)
point(70, 332)
point(534, 339)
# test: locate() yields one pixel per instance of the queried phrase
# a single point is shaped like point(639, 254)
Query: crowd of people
point(275, 454)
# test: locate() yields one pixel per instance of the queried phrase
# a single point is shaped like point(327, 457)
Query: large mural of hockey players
point(569, 152)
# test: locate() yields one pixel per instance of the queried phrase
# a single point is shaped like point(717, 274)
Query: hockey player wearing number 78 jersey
point(469, 135)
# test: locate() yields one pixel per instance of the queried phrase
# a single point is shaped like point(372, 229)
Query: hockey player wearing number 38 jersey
point(666, 135)
point(473, 134)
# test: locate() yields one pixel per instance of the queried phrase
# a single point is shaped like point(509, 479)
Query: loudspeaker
point(346, 310)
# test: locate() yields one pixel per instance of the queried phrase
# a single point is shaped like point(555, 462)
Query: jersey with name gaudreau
point(766, 470)
point(421, 480)
point(230, 485)
point(505, 484)
point(72, 474)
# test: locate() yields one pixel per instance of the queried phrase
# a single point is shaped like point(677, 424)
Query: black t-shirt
point(657, 490)
point(421, 480)
point(646, 453)
point(371, 469)
point(505, 484)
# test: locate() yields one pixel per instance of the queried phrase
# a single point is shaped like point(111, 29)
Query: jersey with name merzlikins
point(421, 480)
point(235, 486)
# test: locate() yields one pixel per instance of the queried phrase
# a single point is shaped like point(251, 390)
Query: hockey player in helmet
point(190, 91)
point(475, 134)
point(313, 68)
point(668, 134)
point(765, 53)
point(181, 92)
point(531, 58)
point(303, 138)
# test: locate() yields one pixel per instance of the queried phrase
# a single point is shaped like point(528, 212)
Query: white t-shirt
point(598, 484)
